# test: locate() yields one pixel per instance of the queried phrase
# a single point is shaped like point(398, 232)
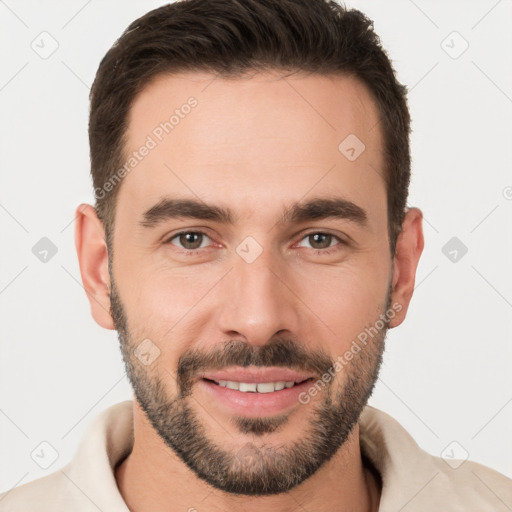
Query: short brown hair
point(229, 38)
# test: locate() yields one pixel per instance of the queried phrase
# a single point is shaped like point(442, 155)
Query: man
point(251, 245)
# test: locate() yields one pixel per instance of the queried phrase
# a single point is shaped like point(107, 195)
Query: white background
point(447, 370)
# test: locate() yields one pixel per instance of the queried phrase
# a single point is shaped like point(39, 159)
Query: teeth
point(253, 387)
point(248, 387)
point(266, 387)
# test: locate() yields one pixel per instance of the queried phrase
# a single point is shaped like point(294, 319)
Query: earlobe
point(409, 247)
point(91, 248)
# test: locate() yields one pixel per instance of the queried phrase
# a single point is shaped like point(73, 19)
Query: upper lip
point(257, 374)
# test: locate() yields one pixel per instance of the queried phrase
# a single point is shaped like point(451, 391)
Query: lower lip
point(255, 404)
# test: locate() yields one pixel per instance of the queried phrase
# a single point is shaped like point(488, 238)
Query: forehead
point(252, 141)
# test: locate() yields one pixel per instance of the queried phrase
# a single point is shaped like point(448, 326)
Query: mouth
point(257, 387)
point(255, 392)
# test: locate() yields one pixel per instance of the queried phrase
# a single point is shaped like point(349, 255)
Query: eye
point(189, 240)
point(322, 242)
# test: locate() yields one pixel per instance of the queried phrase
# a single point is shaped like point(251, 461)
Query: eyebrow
point(315, 209)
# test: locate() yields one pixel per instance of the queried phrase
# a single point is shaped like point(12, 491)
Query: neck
point(152, 477)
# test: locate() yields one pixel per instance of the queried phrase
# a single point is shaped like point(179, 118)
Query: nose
point(257, 302)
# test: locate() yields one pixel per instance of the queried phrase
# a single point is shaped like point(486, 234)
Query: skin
point(253, 145)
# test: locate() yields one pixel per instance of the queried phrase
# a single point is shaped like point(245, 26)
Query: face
point(250, 259)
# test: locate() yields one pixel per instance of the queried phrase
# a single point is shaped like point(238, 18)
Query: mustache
point(282, 352)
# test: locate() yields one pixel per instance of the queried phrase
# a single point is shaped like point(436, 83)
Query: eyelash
point(325, 251)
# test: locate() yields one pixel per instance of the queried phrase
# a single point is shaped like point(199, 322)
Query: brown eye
point(323, 242)
point(320, 240)
point(189, 240)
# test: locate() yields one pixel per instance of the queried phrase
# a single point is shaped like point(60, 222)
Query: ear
point(91, 248)
point(409, 247)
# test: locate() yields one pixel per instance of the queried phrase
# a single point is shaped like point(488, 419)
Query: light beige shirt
point(412, 480)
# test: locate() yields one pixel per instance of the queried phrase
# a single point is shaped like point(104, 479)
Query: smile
point(255, 387)
point(254, 391)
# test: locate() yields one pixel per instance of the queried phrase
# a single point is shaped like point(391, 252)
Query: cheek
point(162, 303)
point(345, 300)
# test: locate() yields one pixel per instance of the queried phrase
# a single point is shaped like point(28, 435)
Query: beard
point(255, 469)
